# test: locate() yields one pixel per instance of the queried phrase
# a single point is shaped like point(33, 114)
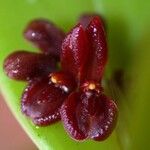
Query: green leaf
point(14, 16)
point(140, 95)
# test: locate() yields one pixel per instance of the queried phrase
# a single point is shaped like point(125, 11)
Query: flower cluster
point(74, 93)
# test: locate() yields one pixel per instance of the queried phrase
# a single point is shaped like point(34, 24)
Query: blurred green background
point(128, 32)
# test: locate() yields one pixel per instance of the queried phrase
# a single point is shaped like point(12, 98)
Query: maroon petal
point(89, 114)
point(98, 49)
point(104, 122)
point(22, 65)
point(85, 19)
point(41, 101)
point(74, 124)
point(42, 98)
point(84, 51)
point(45, 35)
point(74, 52)
point(46, 120)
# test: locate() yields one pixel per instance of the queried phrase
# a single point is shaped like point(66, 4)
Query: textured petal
point(41, 101)
point(22, 65)
point(104, 122)
point(89, 115)
point(84, 50)
point(98, 49)
point(45, 35)
point(73, 123)
point(75, 52)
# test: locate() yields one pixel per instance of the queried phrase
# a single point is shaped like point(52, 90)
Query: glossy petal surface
point(70, 118)
point(103, 121)
point(75, 52)
point(41, 101)
point(98, 49)
point(45, 35)
point(89, 115)
point(23, 65)
point(84, 50)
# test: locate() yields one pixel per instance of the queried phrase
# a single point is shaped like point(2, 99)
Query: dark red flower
point(42, 97)
point(87, 112)
point(73, 94)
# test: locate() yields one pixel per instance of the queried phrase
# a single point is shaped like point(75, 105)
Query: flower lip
point(89, 115)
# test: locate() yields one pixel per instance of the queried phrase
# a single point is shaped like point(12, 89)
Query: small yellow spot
point(92, 86)
point(53, 79)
